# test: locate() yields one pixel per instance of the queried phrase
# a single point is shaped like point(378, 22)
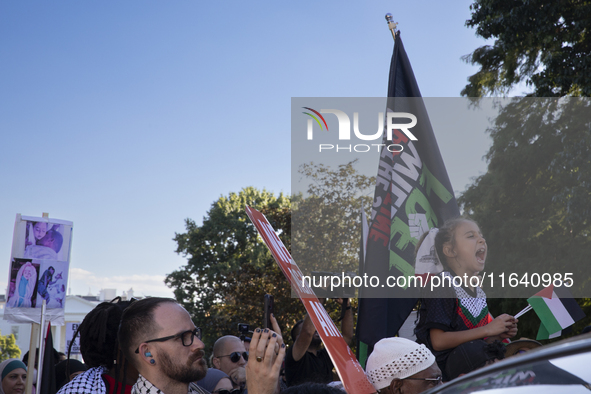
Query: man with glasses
point(159, 338)
point(401, 366)
point(230, 357)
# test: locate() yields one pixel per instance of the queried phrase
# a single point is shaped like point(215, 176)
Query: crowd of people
point(152, 346)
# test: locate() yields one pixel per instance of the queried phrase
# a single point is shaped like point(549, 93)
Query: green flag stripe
point(362, 354)
point(542, 333)
point(545, 314)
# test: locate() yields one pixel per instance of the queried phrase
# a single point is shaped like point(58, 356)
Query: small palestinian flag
point(557, 309)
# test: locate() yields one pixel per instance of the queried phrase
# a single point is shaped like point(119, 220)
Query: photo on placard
point(22, 285)
point(52, 282)
point(44, 241)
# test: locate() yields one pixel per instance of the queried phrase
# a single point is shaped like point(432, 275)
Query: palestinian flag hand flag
point(557, 309)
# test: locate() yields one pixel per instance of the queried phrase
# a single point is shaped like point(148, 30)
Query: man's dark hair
point(294, 330)
point(137, 324)
point(26, 357)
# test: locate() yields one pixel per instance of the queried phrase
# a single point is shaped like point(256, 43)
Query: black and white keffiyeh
point(142, 386)
point(89, 382)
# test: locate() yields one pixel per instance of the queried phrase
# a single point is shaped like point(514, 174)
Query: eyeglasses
point(187, 338)
point(432, 381)
point(235, 356)
point(226, 391)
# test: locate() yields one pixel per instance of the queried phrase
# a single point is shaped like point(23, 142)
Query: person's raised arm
point(347, 322)
point(302, 343)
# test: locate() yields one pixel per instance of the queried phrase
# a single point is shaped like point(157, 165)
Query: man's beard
point(185, 373)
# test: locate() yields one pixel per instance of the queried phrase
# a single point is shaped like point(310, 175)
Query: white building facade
point(77, 307)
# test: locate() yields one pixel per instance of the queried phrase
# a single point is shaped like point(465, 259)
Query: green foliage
point(326, 223)
point(9, 347)
point(229, 269)
point(533, 204)
point(544, 43)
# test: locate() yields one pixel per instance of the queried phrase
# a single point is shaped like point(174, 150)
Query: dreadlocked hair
point(98, 333)
point(98, 338)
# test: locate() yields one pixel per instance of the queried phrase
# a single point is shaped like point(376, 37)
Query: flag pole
point(523, 312)
point(391, 25)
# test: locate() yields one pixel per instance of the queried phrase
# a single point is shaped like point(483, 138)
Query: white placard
point(38, 270)
point(70, 331)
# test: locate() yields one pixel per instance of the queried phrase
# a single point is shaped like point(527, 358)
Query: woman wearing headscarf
point(13, 373)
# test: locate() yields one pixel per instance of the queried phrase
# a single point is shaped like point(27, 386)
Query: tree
point(229, 269)
point(9, 347)
point(326, 222)
point(533, 204)
point(543, 43)
point(534, 201)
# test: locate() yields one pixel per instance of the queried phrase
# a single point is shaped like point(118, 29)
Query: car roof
point(574, 345)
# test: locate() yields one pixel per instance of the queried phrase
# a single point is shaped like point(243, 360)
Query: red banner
point(349, 370)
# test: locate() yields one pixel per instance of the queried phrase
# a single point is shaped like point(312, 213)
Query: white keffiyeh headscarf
point(427, 261)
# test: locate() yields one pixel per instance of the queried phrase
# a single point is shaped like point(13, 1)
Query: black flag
point(413, 193)
point(48, 369)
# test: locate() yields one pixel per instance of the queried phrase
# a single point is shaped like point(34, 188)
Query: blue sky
point(128, 117)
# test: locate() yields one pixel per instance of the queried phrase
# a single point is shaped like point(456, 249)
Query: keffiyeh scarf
point(142, 386)
point(89, 382)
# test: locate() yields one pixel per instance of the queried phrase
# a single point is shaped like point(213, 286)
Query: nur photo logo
point(392, 122)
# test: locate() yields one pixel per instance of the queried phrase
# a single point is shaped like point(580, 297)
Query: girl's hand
point(502, 324)
point(510, 333)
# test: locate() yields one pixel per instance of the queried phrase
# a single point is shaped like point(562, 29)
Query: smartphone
point(268, 310)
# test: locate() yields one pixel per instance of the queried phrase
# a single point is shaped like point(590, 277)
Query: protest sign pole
point(35, 329)
point(41, 345)
point(35, 333)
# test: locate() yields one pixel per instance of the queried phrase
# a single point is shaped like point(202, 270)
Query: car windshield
point(570, 374)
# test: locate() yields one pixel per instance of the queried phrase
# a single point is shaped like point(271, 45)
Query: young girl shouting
point(459, 314)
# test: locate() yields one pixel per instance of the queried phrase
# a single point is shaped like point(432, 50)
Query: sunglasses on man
point(235, 356)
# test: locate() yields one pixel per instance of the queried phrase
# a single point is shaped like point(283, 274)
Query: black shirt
point(310, 368)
